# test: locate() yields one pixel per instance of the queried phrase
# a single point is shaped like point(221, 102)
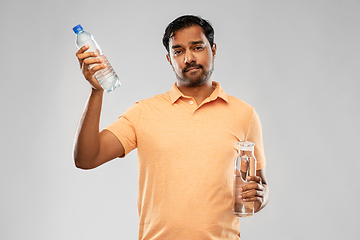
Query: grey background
point(296, 62)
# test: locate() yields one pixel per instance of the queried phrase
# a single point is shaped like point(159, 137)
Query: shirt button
point(191, 102)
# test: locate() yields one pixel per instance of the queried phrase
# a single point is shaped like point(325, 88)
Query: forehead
point(188, 35)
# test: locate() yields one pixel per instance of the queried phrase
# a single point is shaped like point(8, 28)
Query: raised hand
point(89, 65)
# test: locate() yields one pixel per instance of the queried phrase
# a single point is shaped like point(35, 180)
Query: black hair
point(185, 22)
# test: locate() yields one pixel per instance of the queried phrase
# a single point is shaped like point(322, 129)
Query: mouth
point(193, 68)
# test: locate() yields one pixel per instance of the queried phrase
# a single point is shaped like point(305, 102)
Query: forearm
point(87, 140)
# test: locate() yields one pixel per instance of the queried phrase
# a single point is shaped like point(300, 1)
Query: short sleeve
point(124, 128)
point(255, 135)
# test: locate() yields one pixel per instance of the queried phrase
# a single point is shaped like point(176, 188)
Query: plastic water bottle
point(107, 77)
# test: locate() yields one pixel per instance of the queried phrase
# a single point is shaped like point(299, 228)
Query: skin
point(91, 147)
point(192, 59)
point(256, 191)
point(190, 47)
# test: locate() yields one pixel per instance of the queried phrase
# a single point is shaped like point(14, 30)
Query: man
point(186, 139)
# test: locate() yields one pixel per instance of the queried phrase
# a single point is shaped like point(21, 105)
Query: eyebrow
point(191, 43)
point(196, 42)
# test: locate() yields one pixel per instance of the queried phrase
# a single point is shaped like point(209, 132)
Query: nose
point(189, 57)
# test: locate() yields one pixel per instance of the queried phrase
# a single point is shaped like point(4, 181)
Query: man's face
point(191, 56)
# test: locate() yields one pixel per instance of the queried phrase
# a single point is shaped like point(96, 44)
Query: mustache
point(192, 65)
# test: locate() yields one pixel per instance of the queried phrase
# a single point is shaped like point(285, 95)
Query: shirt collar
point(175, 93)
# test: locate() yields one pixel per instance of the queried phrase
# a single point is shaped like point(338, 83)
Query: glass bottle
point(245, 165)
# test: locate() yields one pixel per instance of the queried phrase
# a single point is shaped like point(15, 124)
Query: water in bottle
point(245, 165)
point(107, 77)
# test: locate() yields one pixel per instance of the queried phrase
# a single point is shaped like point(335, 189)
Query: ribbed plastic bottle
point(107, 77)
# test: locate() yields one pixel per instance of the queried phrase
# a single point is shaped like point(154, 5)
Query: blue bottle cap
point(77, 29)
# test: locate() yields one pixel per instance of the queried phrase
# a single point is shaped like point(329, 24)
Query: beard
point(195, 79)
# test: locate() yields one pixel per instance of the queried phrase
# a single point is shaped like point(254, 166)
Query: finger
point(257, 179)
point(97, 68)
point(82, 49)
point(82, 56)
point(251, 195)
point(86, 59)
point(247, 194)
point(85, 55)
point(251, 186)
point(89, 61)
point(253, 199)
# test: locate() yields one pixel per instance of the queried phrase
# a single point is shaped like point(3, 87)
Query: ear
point(168, 59)
point(214, 48)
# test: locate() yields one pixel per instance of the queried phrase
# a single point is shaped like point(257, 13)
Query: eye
point(199, 48)
point(177, 52)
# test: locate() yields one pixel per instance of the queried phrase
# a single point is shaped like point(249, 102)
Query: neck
point(199, 93)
